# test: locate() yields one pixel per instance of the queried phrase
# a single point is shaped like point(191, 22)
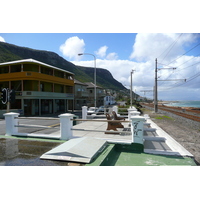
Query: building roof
point(78, 82)
point(36, 62)
point(92, 85)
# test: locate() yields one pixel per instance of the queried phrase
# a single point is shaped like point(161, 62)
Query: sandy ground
point(182, 132)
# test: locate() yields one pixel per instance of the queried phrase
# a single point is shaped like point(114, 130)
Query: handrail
point(99, 120)
point(39, 118)
point(34, 126)
point(107, 131)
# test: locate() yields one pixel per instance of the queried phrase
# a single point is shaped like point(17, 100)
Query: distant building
point(40, 88)
point(109, 100)
point(80, 95)
point(99, 94)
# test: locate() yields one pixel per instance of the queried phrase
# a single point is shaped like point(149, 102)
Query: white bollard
point(134, 113)
point(137, 129)
point(84, 112)
point(66, 125)
point(115, 108)
point(11, 121)
point(131, 109)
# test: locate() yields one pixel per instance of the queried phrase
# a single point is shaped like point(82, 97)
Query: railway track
point(179, 111)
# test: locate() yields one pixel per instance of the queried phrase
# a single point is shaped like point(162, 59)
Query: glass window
point(30, 67)
point(4, 69)
point(46, 70)
point(15, 68)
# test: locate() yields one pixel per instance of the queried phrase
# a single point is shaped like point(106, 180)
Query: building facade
point(40, 88)
point(84, 95)
point(80, 95)
point(109, 100)
point(100, 94)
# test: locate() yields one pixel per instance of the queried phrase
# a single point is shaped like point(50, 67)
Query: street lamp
point(131, 93)
point(95, 90)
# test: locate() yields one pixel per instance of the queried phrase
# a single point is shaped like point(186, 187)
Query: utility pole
point(156, 86)
point(131, 93)
point(156, 89)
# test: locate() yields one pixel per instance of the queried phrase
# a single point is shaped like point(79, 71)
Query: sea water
point(195, 104)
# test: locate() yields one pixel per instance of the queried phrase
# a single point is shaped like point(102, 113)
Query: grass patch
point(163, 117)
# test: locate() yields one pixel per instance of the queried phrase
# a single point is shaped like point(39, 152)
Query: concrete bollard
point(11, 121)
point(66, 125)
point(134, 113)
point(137, 129)
point(115, 108)
point(84, 112)
point(131, 109)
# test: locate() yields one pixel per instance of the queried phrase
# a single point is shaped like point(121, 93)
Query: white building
point(109, 100)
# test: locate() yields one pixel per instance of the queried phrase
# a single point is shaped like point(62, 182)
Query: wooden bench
point(112, 125)
point(116, 117)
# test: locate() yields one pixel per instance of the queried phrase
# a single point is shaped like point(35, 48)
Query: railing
point(101, 131)
point(66, 126)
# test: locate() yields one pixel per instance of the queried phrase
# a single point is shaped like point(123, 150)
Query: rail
point(39, 118)
point(101, 120)
point(178, 112)
point(37, 126)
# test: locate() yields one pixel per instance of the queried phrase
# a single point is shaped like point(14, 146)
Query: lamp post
point(95, 90)
point(131, 93)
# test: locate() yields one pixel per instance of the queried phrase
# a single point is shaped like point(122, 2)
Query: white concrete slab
point(76, 150)
point(176, 148)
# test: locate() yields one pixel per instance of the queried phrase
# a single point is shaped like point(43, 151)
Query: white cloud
point(101, 51)
point(149, 46)
point(145, 49)
point(144, 77)
point(112, 56)
point(2, 39)
point(72, 47)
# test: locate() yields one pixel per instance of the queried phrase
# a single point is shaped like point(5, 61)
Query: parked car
point(91, 110)
point(100, 110)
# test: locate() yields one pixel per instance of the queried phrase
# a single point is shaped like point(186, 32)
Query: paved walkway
point(97, 130)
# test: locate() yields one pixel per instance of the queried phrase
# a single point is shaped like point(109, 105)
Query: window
point(59, 73)
point(46, 70)
point(4, 69)
point(30, 67)
point(30, 85)
point(15, 68)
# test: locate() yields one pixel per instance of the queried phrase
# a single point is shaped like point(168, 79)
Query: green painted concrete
point(124, 155)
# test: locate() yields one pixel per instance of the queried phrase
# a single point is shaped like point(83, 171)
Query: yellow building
point(40, 88)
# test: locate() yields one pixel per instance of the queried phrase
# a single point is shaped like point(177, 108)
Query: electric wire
point(173, 44)
point(184, 54)
point(188, 80)
point(181, 65)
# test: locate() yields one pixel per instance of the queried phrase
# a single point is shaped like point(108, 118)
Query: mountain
point(10, 52)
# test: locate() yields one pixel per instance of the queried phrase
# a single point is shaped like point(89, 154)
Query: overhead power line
point(185, 53)
point(171, 46)
point(188, 80)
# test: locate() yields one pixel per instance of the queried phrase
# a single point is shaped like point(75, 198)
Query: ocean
point(195, 104)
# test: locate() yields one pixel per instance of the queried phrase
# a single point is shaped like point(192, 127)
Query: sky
point(122, 40)
point(120, 53)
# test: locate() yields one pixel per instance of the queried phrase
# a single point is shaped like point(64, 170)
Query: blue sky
point(122, 52)
point(52, 41)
